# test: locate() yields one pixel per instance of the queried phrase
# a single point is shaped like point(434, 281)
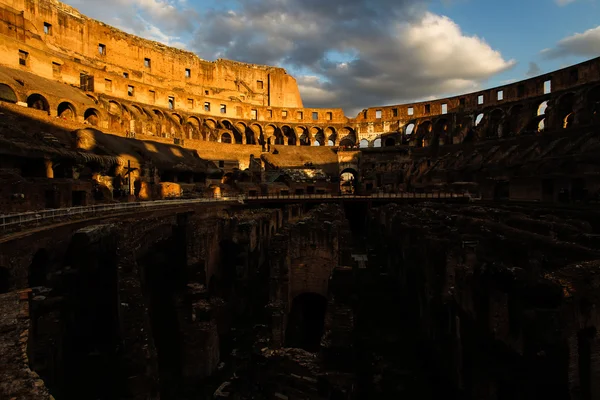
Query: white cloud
point(586, 44)
point(386, 51)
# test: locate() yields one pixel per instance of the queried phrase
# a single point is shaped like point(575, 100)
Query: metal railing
point(10, 220)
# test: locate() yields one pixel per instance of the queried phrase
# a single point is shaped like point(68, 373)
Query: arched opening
point(408, 131)
point(193, 128)
point(38, 102)
point(226, 138)
point(330, 143)
point(7, 94)
point(316, 143)
point(92, 116)
point(495, 124)
point(363, 144)
point(542, 108)
point(423, 134)
point(568, 120)
point(565, 109)
point(330, 135)
point(377, 142)
point(440, 132)
point(66, 111)
point(541, 125)
point(306, 322)
point(4, 280)
point(289, 135)
point(346, 143)
point(478, 119)
point(516, 120)
point(318, 136)
point(38, 269)
point(237, 135)
point(304, 140)
point(348, 181)
point(390, 142)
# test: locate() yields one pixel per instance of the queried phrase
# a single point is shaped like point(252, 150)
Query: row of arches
point(562, 112)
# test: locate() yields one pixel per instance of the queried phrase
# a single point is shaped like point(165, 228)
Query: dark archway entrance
point(348, 181)
point(306, 322)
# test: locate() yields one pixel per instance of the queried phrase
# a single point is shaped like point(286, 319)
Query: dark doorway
point(306, 322)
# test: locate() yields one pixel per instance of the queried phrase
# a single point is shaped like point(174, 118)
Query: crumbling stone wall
point(495, 301)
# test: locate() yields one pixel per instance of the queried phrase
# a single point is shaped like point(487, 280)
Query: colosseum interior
point(174, 228)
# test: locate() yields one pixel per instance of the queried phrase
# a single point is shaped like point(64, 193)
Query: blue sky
point(359, 53)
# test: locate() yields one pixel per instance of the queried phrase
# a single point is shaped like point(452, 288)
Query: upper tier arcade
point(132, 86)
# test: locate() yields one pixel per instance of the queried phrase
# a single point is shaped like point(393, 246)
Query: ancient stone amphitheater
point(178, 228)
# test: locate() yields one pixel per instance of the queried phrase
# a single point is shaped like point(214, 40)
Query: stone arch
point(349, 181)
point(138, 109)
point(289, 135)
point(66, 111)
point(564, 112)
point(226, 138)
point(330, 136)
point(424, 130)
point(177, 117)
point(378, 142)
point(8, 94)
point(347, 135)
point(516, 119)
point(300, 133)
point(409, 130)
point(495, 124)
point(441, 132)
point(305, 138)
point(363, 144)
point(210, 123)
point(92, 116)
point(316, 134)
point(319, 138)
point(114, 108)
point(192, 128)
point(541, 110)
point(258, 133)
point(236, 135)
point(38, 102)
point(94, 98)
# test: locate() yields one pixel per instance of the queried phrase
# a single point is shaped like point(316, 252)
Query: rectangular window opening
point(260, 84)
point(191, 104)
point(548, 86)
point(107, 85)
point(300, 115)
point(427, 108)
point(223, 109)
point(23, 57)
point(221, 164)
point(521, 90)
point(394, 112)
point(254, 114)
point(188, 73)
point(147, 63)
point(130, 90)
point(206, 106)
point(411, 111)
point(101, 49)
point(284, 114)
point(126, 75)
point(315, 115)
point(574, 75)
point(329, 116)
point(47, 29)
point(444, 108)
point(207, 93)
point(152, 96)
point(171, 102)
point(500, 95)
point(56, 68)
point(480, 99)
point(270, 113)
point(378, 114)
point(462, 102)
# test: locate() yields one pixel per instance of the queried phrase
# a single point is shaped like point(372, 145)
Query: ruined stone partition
point(302, 260)
point(157, 287)
point(504, 303)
